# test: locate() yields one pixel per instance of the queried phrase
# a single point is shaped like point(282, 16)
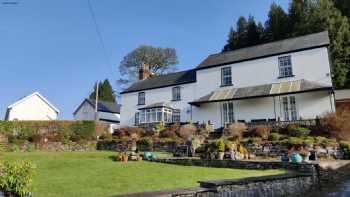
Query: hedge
point(60, 130)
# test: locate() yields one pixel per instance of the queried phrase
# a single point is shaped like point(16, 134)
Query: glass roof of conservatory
point(157, 105)
point(267, 90)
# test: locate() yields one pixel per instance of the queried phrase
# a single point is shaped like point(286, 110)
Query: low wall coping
point(168, 193)
point(243, 181)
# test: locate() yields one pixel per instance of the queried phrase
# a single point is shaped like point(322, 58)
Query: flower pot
point(221, 155)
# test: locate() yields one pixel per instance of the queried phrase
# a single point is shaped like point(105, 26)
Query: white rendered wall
point(85, 112)
point(33, 108)
point(312, 65)
point(130, 105)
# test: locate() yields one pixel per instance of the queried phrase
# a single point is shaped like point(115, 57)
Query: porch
point(277, 103)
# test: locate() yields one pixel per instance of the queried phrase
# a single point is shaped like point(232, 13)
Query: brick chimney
point(144, 72)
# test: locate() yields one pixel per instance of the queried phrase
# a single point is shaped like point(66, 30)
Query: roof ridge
point(266, 43)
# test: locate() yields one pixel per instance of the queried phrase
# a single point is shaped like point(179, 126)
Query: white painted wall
point(311, 65)
point(87, 112)
point(32, 108)
point(130, 102)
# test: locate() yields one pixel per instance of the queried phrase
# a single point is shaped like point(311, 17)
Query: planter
point(221, 155)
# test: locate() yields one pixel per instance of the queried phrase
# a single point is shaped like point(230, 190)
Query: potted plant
point(221, 149)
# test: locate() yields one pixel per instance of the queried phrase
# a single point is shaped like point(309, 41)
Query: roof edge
point(27, 97)
point(260, 57)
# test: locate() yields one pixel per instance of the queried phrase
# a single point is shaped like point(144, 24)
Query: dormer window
point(285, 66)
point(141, 98)
point(226, 76)
point(176, 93)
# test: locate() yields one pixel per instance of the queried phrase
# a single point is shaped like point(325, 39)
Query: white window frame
point(285, 66)
point(290, 108)
point(226, 76)
point(176, 116)
point(141, 98)
point(153, 115)
point(228, 112)
point(176, 93)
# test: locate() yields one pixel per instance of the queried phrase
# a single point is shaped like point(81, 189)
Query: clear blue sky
point(52, 46)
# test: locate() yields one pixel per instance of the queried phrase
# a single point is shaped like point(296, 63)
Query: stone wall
point(305, 179)
point(304, 168)
point(279, 185)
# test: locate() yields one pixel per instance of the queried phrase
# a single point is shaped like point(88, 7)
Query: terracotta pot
point(125, 158)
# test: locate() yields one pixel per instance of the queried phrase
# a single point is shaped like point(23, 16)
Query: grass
point(95, 174)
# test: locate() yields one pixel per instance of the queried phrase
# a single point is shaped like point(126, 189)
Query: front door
point(290, 112)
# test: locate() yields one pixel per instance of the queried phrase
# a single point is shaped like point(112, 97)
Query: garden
point(80, 158)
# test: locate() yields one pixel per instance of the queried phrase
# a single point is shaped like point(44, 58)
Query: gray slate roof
point(170, 79)
point(267, 90)
point(268, 49)
point(104, 106)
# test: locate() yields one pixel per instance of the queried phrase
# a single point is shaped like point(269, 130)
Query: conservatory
point(155, 113)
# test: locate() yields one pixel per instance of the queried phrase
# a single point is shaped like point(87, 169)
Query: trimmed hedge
point(57, 131)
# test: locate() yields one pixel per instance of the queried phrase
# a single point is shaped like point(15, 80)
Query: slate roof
point(170, 79)
point(267, 90)
point(102, 106)
point(269, 49)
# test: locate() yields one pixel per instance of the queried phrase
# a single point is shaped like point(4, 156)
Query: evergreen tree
point(105, 92)
point(343, 6)
point(253, 33)
point(327, 17)
point(277, 26)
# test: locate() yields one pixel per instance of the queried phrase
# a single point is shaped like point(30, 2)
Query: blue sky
point(52, 46)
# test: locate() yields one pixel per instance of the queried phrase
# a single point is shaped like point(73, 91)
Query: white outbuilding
point(32, 107)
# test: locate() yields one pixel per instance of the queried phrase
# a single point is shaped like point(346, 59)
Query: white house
point(279, 81)
point(32, 107)
point(107, 112)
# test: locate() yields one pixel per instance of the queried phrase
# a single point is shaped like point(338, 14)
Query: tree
point(105, 92)
point(277, 26)
point(327, 17)
point(343, 6)
point(159, 60)
point(253, 32)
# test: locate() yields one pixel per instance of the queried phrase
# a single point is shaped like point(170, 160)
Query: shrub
point(345, 147)
point(309, 140)
point(275, 136)
point(338, 124)
point(171, 131)
point(16, 178)
point(301, 132)
point(295, 141)
point(187, 131)
point(83, 130)
point(145, 143)
point(159, 128)
point(220, 144)
point(262, 131)
point(236, 130)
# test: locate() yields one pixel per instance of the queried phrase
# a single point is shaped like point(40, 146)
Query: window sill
point(226, 85)
point(282, 77)
point(140, 104)
point(175, 100)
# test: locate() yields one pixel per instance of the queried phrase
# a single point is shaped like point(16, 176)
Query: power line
point(99, 35)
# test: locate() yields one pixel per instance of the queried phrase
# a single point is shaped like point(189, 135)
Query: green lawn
point(95, 174)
